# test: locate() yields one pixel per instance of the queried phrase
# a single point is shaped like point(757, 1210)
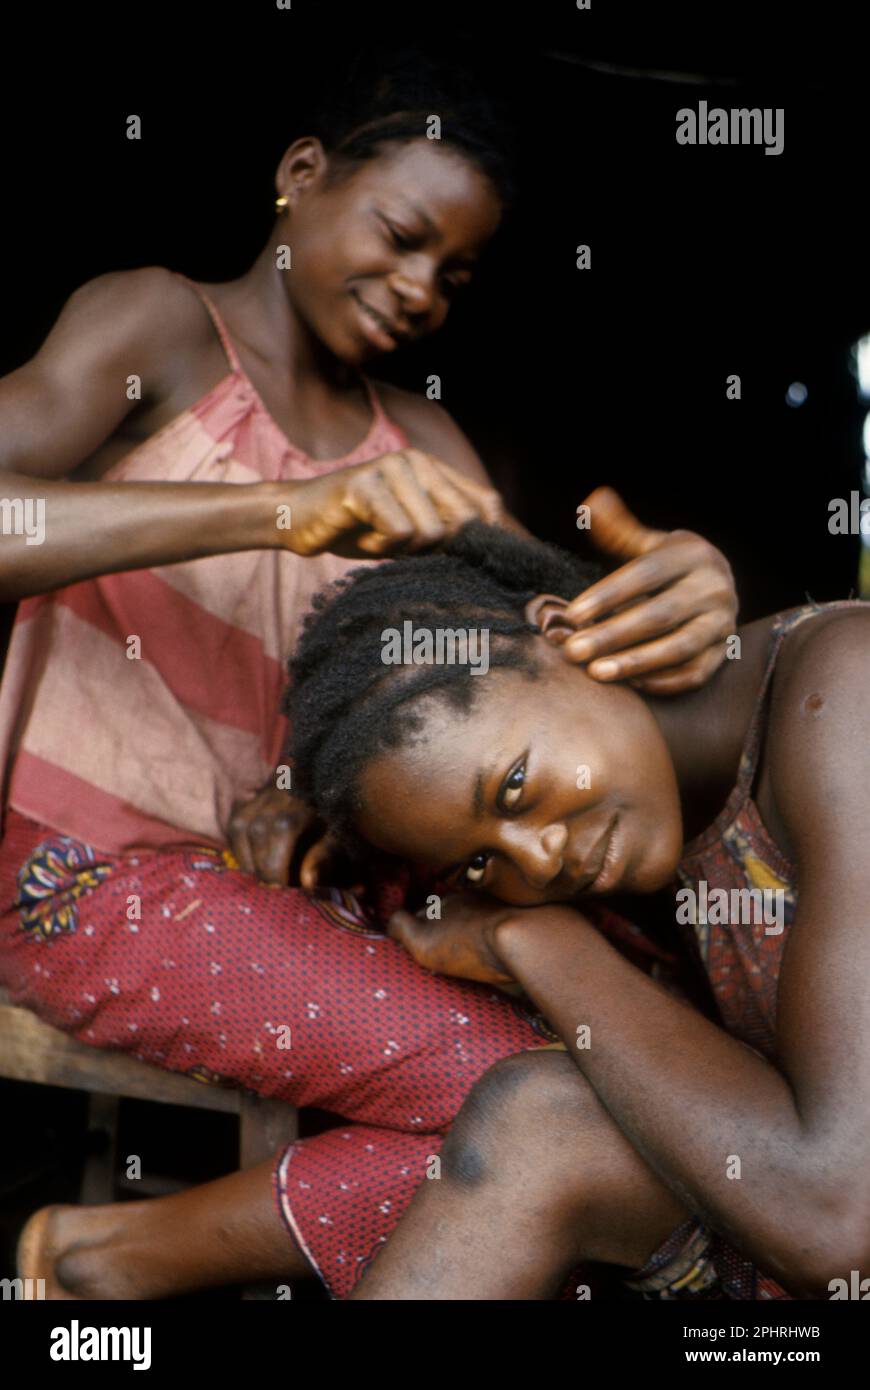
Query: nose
point(536, 853)
point(416, 290)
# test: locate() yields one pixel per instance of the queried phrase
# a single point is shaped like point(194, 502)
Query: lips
point(601, 864)
point(386, 325)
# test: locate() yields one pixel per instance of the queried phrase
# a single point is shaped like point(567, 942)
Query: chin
point(336, 336)
point(344, 347)
point(654, 873)
point(653, 881)
point(355, 354)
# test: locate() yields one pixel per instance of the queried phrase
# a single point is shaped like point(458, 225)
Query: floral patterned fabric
point(182, 960)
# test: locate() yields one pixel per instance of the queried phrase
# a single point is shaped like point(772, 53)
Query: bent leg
point(338, 1195)
point(196, 967)
point(535, 1179)
point(342, 1193)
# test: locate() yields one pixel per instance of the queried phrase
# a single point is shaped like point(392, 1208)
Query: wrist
point(517, 936)
point(273, 514)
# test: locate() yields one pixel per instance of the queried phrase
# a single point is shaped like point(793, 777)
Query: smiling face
point(382, 252)
point(500, 799)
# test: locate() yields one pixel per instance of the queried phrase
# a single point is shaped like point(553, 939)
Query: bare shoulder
point(147, 321)
point(420, 418)
point(818, 734)
point(432, 429)
point(830, 651)
point(150, 305)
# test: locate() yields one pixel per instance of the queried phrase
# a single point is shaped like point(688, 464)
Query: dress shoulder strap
point(220, 326)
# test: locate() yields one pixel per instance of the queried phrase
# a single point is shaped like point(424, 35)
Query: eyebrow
point(424, 216)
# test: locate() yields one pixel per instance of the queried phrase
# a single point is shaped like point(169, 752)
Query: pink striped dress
point(126, 753)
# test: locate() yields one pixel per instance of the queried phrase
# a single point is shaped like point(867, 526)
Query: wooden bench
point(31, 1050)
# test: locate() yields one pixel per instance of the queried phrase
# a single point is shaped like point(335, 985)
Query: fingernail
point(604, 670)
point(579, 648)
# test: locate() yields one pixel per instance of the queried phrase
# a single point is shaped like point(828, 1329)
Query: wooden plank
point(31, 1050)
point(98, 1176)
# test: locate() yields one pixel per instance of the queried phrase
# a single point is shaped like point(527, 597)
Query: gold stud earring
point(281, 203)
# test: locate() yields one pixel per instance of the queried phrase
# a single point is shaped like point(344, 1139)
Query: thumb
point(314, 861)
point(616, 530)
point(402, 927)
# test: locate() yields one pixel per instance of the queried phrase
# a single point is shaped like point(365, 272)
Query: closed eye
point(404, 241)
point(400, 238)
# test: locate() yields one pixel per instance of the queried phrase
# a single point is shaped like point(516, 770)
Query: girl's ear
point(547, 611)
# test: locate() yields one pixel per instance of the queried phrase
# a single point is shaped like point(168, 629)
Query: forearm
point(693, 1101)
point(74, 531)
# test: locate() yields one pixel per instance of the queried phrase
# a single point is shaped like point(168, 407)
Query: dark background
point(705, 262)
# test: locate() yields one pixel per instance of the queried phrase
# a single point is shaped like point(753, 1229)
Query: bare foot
point(85, 1252)
point(227, 1231)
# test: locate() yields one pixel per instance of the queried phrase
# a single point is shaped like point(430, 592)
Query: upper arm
point(69, 398)
point(819, 760)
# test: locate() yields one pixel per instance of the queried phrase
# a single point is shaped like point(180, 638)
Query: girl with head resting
point(713, 1155)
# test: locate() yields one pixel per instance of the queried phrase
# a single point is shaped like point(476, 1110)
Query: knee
point(529, 1112)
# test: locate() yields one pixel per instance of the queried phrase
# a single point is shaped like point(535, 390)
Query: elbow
point(827, 1253)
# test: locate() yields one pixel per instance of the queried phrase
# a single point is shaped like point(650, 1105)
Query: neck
point(705, 729)
point(272, 327)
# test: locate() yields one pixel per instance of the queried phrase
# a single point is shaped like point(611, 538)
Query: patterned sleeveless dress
point(742, 963)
